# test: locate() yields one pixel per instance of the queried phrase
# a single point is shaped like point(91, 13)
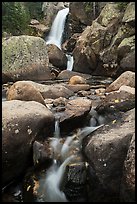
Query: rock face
point(106, 151)
point(22, 122)
point(25, 57)
point(50, 10)
point(99, 48)
point(21, 90)
point(128, 179)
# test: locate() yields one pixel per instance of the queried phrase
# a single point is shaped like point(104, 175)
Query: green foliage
point(35, 9)
point(88, 6)
point(122, 5)
point(16, 16)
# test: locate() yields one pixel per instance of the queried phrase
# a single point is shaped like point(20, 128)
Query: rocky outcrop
point(99, 48)
point(25, 57)
point(39, 29)
point(22, 122)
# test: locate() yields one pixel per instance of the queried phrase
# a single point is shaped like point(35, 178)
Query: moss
point(122, 5)
point(88, 6)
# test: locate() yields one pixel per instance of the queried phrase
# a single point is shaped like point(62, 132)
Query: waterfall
point(50, 184)
point(57, 128)
point(57, 29)
point(56, 33)
point(69, 62)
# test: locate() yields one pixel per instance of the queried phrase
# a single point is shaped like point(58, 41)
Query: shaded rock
point(78, 87)
point(106, 151)
point(21, 90)
point(77, 80)
point(75, 114)
point(57, 57)
point(69, 44)
point(127, 78)
point(22, 123)
point(75, 182)
point(80, 12)
point(127, 190)
point(6, 78)
point(60, 101)
point(128, 62)
point(24, 57)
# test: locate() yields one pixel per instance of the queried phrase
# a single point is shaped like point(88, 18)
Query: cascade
point(50, 184)
point(56, 33)
point(57, 28)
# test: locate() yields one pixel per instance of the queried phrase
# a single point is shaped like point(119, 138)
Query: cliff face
point(107, 46)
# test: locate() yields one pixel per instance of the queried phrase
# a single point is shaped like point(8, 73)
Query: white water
point(56, 33)
point(70, 62)
point(57, 29)
point(57, 128)
point(50, 184)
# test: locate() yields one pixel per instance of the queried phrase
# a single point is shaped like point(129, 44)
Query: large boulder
point(127, 78)
point(22, 122)
point(106, 151)
point(56, 57)
point(25, 57)
point(127, 191)
point(21, 90)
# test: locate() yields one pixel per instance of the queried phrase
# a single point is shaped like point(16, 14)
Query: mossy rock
point(24, 54)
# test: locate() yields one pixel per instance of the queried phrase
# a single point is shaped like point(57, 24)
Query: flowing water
point(57, 29)
point(64, 154)
point(56, 34)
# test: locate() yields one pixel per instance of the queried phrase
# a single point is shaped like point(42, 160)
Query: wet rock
point(22, 123)
point(21, 90)
point(75, 182)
